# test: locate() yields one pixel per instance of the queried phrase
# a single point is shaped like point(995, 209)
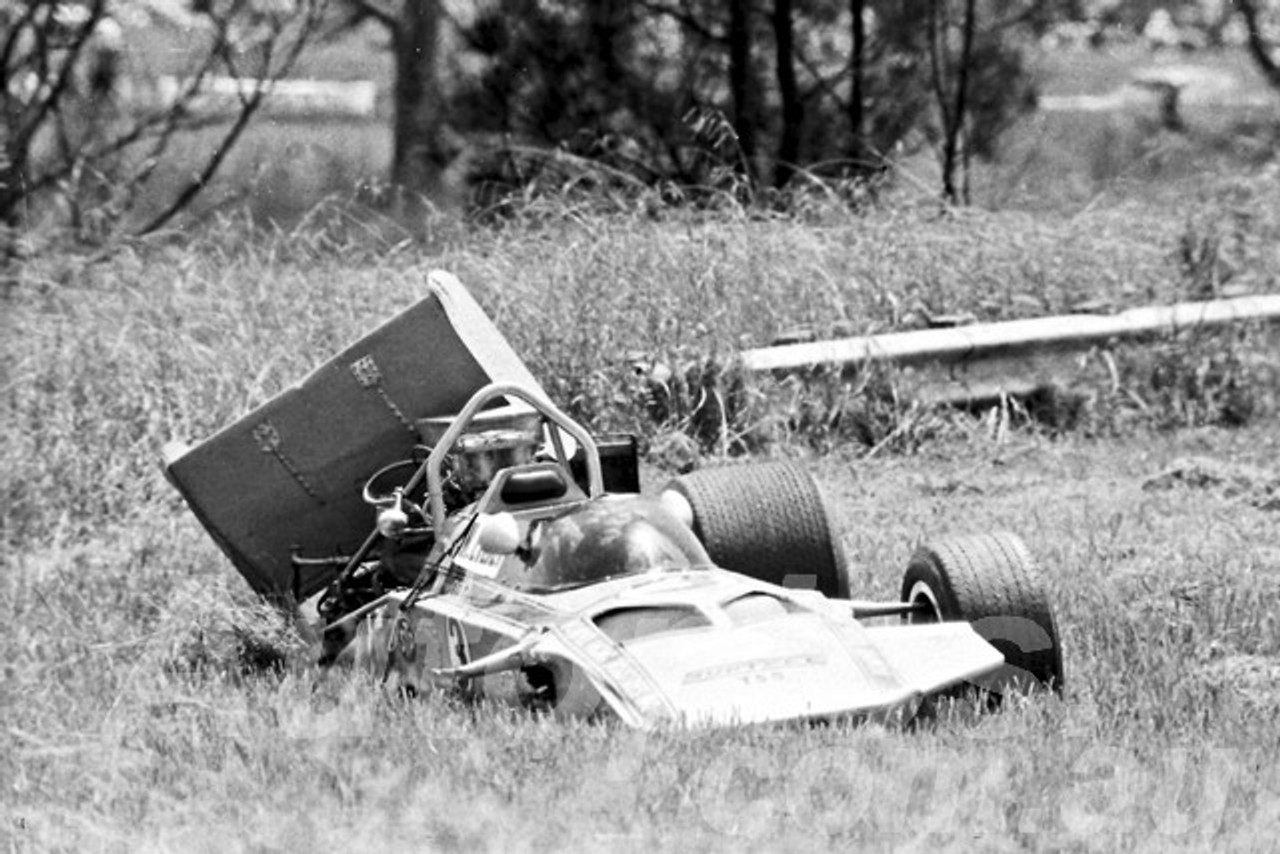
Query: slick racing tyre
point(766, 521)
point(990, 581)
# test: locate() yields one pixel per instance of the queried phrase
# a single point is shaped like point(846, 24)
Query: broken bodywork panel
point(288, 474)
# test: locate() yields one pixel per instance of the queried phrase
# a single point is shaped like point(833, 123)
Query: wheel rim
point(922, 594)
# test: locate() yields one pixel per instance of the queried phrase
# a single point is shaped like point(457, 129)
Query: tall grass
point(106, 358)
point(150, 702)
point(141, 710)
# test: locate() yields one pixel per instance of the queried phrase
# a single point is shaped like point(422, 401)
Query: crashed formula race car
point(445, 524)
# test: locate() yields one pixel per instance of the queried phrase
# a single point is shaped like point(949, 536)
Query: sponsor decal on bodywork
point(755, 670)
point(474, 558)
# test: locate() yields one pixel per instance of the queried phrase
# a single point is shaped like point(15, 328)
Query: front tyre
point(992, 582)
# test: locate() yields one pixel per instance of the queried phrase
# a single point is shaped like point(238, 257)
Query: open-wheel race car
point(443, 523)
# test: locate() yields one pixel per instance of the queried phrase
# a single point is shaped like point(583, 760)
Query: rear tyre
point(991, 581)
point(769, 522)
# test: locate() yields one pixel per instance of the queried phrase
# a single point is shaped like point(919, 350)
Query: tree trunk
point(12, 178)
point(740, 89)
point(607, 22)
point(788, 91)
point(954, 118)
point(421, 149)
point(857, 112)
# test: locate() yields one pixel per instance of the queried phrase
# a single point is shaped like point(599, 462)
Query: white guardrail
point(355, 98)
point(987, 340)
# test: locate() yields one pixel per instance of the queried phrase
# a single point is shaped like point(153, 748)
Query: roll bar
point(550, 413)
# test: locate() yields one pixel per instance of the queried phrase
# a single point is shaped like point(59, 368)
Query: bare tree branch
point(685, 19)
point(26, 112)
point(250, 103)
point(160, 124)
point(1259, 49)
point(16, 29)
point(48, 102)
point(370, 9)
point(1013, 19)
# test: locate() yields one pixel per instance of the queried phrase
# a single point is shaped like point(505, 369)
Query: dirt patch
point(1258, 486)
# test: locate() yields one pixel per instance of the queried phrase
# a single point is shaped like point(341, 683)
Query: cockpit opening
point(607, 538)
point(625, 624)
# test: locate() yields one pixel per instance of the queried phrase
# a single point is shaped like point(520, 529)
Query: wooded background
point(749, 97)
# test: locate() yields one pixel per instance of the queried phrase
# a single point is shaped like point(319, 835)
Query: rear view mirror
point(498, 533)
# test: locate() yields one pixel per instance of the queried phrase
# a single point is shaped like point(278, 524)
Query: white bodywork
point(790, 655)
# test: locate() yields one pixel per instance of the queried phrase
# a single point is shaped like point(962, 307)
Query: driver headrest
point(543, 483)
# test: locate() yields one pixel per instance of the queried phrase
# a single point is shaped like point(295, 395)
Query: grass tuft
point(203, 636)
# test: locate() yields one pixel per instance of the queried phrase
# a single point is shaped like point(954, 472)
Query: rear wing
point(288, 475)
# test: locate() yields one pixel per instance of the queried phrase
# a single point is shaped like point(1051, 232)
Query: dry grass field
point(150, 703)
point(135, 723)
